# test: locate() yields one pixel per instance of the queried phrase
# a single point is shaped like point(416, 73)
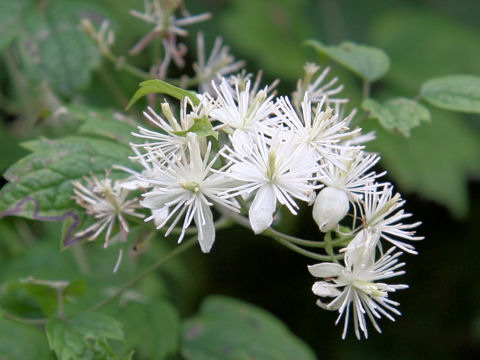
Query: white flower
point(357, 288)
point(171, 137)
point(106, 202)
point(352, 177)
point(218, 64)
point(317, 90)
point(319, 129)
point(186, 185)
point(331, 206)
point(379, 215)
point(239, 111)
point(280, 171)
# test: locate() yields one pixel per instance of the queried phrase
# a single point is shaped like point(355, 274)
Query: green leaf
point(98, 326)
point(368, 62)
point(227, 328)
point(435, 162)
point(202, 127)
point(22, 342)
point(103, 122)
point(65, 340)
point(248, 26)
point(40, 184)
point(399, 115)
point(162, 87)
point(455, 92)
point(152, 329)
point(10, 20)
point(53, 48)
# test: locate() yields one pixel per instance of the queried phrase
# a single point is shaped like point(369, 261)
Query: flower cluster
point(238, 151)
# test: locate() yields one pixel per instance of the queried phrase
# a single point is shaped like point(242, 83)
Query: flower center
point(191, 186)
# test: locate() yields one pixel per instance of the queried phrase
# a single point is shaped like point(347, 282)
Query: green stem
point(307, 253)
point(366, 89)
point(22, 320)
point(292, 239)
point(329, 246)
point(177, 251)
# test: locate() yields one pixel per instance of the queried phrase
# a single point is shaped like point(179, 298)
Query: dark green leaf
point(454, 92)
point(399, 115)
point(368, 62)
point(161, 87)
point(53, 48)
point(22, 342)
point(227, 328)
point(98, 326)
point(152, 329)
point(40, 185)
point(435, 162)
point(65, 340)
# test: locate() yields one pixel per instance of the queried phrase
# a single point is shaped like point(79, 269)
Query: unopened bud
point(331, 206)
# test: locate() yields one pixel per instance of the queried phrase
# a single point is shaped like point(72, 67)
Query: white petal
point(206, 229)
point(324, 270)
point(160, 215)
point(262, 209)
point(322, 288)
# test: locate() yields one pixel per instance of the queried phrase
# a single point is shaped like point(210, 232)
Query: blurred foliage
point(49, 63)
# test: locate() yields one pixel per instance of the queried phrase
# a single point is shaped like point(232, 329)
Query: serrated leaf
point(22, 342)
point(455, 92)
point(52, 47)
point(368, 62)
point(40, 184)
point(161, 87)
point(152, 329)
point(98, 326)
point(399, 115)
point(435, 162)
point(227, 328)
point(64, 340)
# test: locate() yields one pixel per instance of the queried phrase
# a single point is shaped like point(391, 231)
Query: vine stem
point(177, 251)
point(22, 320)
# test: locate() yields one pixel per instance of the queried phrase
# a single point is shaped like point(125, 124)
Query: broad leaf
point(227, 328)
point(435, 161)
point(454, 92)
point(22, 342)
point(52, 47)
point(11, 13)
point(40, 184)
point(152, 329)
point(399, 115)
point(368, 62)
point(98, 326)
point(65, 340)
point(161, 87)
point(202, 127)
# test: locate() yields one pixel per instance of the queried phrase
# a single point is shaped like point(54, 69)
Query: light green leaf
point(152, 329)
point(368, 62)
point(399, 115)
point(22, 342)
point(40, 184)
point(162, 87)
point(227, 329)
point(455, 92)
point(98, 326)
point(65, 340)
point(435, 162)
point(202, 127)
point(52, 47)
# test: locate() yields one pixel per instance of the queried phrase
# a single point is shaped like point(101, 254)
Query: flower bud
point(331, 206)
